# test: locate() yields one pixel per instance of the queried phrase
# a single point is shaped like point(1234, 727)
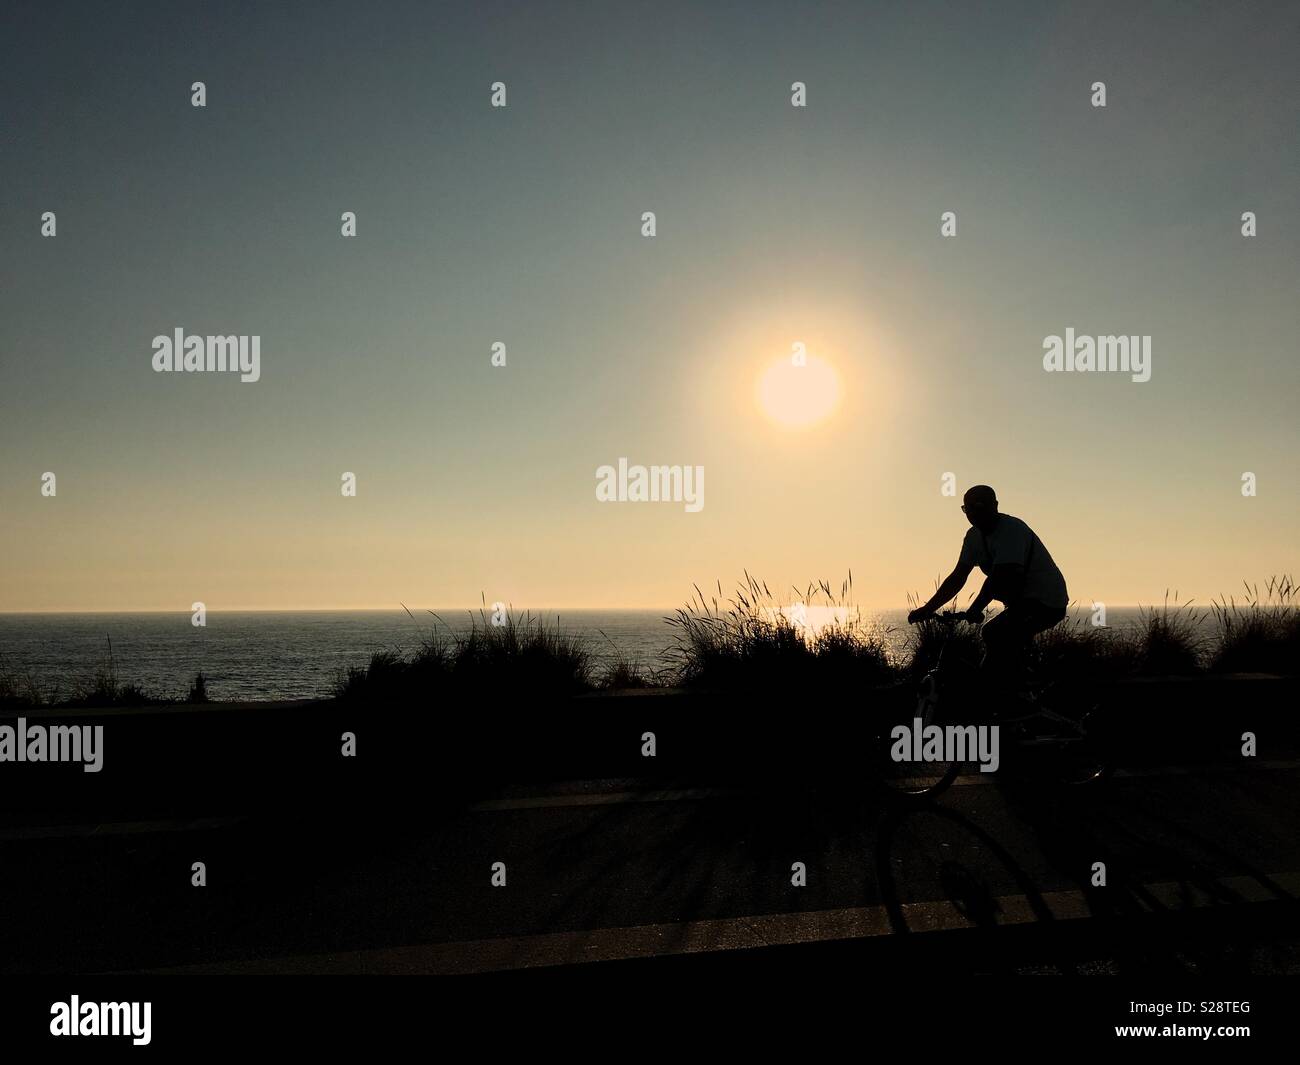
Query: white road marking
point(758, 930)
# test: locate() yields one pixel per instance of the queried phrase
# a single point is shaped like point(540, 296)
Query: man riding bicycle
point(1019, 573)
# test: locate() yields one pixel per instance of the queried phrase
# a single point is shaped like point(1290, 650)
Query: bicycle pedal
point(1034, 727)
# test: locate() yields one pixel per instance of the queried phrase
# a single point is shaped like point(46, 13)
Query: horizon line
point(461, 609)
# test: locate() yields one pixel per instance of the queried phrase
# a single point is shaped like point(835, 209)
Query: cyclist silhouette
point(1019, 573)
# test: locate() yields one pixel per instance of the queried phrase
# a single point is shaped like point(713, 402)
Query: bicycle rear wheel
point(1073, 754)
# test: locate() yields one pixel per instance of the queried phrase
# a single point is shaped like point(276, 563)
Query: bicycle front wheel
point(905, 765)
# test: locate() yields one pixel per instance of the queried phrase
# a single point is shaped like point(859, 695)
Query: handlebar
point(945, 617)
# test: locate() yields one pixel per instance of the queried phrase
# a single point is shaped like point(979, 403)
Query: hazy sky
point(522, 224)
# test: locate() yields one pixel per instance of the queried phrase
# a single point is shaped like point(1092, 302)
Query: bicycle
point(1054, 724)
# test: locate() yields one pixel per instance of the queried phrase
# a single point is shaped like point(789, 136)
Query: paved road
point(1202, 867)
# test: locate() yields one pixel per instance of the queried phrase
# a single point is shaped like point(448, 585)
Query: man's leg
point(1006, 640)
point(1042, 617)
point(998, 672)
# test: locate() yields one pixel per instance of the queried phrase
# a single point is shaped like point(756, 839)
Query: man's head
point(980, 505)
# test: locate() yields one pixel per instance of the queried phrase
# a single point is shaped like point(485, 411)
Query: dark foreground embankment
point(230, 760)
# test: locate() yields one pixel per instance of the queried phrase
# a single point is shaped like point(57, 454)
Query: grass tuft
point(750, 641)
point(524, 655)
point(1168, 641)
point(1262, 635)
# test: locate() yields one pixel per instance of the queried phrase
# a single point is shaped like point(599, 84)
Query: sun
point(799, 396)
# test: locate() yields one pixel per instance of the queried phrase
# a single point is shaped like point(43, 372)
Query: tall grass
point(621, 673)
point(755, 642)
point(752, 641)
point(1168, 641)
point(21, 689)
point(103, 687)
point(1077, 650)
point(522, 654)
point(747, 641)
point(1261, 635)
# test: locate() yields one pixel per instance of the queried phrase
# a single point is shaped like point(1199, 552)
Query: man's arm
point(1003, 584)
point(952, 584)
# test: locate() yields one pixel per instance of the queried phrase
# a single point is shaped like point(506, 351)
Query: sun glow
point(799, 396)
point(810, 621)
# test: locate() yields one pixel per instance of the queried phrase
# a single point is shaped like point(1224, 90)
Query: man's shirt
point(1012, 542)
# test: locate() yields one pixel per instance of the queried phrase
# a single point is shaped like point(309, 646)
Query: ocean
point(298, 655)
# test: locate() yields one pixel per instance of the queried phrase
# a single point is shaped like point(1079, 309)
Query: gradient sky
point(522, 225)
